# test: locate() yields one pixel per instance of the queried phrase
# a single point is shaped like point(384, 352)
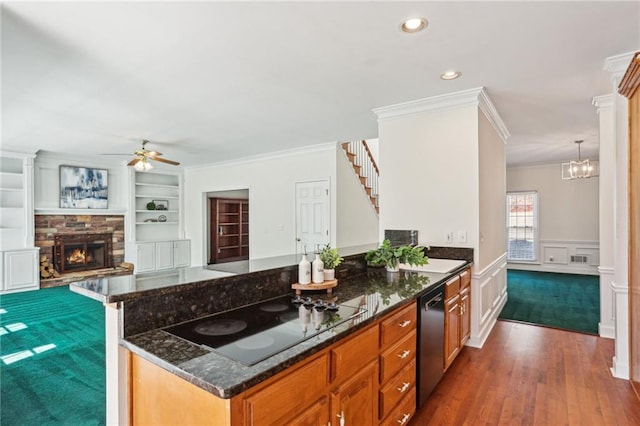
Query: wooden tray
point(329, 285)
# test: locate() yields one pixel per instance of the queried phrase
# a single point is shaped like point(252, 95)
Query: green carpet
point(566, 301)
point(52, 359)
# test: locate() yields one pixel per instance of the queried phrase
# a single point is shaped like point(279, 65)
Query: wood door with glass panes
point(229, 230)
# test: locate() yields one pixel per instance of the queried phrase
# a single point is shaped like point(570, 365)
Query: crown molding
point(603, 103)
point(267, 156)
point(617, 65)
point(470, 97)
point(490, 111)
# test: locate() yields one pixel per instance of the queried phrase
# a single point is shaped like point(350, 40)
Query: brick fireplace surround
point(48, 226)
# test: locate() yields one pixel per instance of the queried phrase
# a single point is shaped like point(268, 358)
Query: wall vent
point(579, 259)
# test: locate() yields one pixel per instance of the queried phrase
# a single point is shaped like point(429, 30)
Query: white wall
point(271, 183)
point(492, 159)
point(357, 221)
point(47, 183)
point(568, 217)
point(428, 174)
point(431, 152)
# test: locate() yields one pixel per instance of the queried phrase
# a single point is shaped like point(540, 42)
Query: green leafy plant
point(391, 257)
point(403, 285)
point(330, 257)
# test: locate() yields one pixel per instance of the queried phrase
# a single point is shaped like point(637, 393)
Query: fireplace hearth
point(82, 252)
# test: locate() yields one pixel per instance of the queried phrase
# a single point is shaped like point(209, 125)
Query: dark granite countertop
point(375, 289)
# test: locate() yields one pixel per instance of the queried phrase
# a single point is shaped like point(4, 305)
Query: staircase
point(365, 167)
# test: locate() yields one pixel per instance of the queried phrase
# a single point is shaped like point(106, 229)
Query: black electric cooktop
point(256, 332)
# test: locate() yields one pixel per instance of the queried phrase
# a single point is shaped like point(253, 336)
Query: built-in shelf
point(156, 186)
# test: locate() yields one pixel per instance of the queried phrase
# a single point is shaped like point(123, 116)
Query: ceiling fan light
point(143, 165)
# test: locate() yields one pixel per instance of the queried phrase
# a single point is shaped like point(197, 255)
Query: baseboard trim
point(619, 371)
point(606, 331)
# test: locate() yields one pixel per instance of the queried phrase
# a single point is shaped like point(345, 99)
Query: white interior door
point(312, 215)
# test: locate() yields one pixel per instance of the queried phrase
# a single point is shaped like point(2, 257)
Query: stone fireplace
point(82, 252)
point(80, 245)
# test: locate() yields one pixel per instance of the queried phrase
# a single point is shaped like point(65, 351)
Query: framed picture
point(83, 188)
point(161, 204)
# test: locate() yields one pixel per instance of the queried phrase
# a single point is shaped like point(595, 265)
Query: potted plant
point(331, 260)
point(392, 257)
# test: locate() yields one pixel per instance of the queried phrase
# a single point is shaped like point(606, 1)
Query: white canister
point(317, 270)
point(304, 270)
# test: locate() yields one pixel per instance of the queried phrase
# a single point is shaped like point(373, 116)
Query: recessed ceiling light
point(450, 75)
point(413, 25)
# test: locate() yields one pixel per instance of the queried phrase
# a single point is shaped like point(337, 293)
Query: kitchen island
point(147, 305)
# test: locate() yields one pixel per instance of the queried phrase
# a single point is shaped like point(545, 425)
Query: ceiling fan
point(143, 155)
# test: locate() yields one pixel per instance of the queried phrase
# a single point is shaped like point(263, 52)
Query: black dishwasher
point(430, 342)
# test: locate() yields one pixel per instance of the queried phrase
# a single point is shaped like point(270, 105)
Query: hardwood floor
point(529, 375)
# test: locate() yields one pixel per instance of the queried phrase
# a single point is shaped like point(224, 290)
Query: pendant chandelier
point(580, 169)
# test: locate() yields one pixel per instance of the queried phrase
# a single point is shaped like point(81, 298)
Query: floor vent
point(579, 259)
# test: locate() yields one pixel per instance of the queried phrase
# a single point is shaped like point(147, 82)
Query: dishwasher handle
point(437, 298)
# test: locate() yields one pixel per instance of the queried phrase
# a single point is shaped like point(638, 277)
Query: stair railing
point(368, 169)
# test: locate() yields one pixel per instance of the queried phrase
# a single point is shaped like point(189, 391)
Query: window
point(522, 226)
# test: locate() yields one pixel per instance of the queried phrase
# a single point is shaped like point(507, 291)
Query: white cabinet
point(19, 270)
point(19, 262)
point(146, 257)
point(181, 253)
point(162, 255)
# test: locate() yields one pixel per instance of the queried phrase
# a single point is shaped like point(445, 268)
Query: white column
point(617, 65)
point(117, 386)
point(607, 182)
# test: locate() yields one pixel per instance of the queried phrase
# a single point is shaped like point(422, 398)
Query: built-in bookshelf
point(162, 192)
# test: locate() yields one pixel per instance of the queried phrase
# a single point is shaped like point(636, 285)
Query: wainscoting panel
point(489, 295)
point(571, 257)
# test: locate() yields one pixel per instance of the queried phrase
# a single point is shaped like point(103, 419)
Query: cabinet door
point(465, 315)
point(315, 415)
point(451, 329)
point(20, 270)
point(181, 253)
point(146, 257)
point(164, 255)
point(355, 403)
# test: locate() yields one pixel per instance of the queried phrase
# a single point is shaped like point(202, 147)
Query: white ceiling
point(215, 81)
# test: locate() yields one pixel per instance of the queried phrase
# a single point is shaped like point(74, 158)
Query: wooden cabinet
point(285, 398)
point(398, 344)
point(229, 239)
point(354, 402)
point(366, 379)
point(457, 320)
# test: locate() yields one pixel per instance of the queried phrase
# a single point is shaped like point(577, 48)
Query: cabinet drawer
point(399, 386)
point(403, 412)
point(396, 357)
point(287, 395)
point(398, 325)
point(452, 287)
point(354, 354)
point(465, 278)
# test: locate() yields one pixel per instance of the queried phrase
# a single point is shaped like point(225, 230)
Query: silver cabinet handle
point(404, 387)
point(404, 419)
point(341, 417)
point(404, 354)
point(404, 323)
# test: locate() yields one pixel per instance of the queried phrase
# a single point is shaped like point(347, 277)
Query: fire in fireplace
point(82, 252)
